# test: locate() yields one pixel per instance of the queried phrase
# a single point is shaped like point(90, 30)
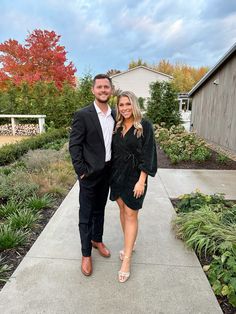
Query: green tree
point(45, 98)
point(85, 95)
point(163, 104)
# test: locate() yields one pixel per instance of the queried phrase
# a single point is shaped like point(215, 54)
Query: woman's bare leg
point(121, 205)
point(130, 234)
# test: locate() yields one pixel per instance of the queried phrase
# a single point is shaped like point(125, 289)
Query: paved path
point(166, 278)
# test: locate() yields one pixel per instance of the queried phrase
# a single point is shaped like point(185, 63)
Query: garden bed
point(14, 256)
point(206, 223)
point(211, 163)
point(31, 190)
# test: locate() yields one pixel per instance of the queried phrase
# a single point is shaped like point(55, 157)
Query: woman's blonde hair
point(136, 113)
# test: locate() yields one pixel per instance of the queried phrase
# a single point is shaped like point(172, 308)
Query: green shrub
point(57, 144)
point(11, 152)
point(163, 104)
point(222, 158)
point(18, 185)
point(9, 208)
point(36, 203)
point(10, 238)
point(195, 200)
point(23, 219)
point(201, 154)
point(222, 274)
point(204, 230)
point(207, 223)
point(39, 159)
point(180, 145)
point(196, 228)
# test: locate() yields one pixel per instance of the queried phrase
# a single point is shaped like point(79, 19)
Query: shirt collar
point(99, 111)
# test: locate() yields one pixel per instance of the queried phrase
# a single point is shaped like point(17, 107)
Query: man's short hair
point(101, 76)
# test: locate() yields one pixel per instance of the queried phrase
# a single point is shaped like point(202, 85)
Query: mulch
point(211, 163)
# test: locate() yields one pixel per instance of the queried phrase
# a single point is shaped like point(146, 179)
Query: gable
point(138, 80)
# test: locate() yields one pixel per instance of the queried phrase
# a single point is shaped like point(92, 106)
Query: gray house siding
point(214, 106)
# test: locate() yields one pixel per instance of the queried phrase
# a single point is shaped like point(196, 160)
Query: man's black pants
point(92, 198)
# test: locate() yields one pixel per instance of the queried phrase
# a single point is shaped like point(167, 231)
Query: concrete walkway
point(166, 278)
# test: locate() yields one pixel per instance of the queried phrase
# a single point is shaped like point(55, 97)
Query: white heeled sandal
point(123, 276)
point(122, 253)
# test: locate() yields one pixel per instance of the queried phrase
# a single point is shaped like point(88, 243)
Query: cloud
point(101, 35)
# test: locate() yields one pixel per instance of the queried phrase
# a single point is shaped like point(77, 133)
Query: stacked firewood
point(20, 129)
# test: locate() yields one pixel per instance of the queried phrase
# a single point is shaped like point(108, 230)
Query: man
point(90, 149)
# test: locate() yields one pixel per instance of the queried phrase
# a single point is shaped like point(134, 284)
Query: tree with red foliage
point(40, 59)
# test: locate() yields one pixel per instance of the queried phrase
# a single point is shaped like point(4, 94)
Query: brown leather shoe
point(86, 265)
point(102, 249)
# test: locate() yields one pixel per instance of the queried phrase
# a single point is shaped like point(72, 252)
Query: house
point(214, 103)
point(138, 79)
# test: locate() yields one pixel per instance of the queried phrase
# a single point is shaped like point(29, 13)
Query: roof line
point(210, 72)
point(144, 67)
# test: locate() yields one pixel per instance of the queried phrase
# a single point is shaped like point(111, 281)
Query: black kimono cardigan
point(130, 156)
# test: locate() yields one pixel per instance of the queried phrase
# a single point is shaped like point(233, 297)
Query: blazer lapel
point(96, 122)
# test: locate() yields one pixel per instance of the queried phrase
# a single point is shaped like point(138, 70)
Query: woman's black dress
point(130, 156)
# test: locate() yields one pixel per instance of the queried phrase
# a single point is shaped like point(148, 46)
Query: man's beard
point(103, 101)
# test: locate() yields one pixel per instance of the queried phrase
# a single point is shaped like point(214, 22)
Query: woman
point(134, 158)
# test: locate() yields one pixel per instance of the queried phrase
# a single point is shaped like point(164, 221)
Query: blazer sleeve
point(77, 137)
point(148, 156)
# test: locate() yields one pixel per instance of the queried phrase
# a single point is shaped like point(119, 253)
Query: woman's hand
point(139, 189)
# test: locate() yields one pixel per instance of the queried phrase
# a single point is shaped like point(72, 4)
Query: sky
point(100, 35)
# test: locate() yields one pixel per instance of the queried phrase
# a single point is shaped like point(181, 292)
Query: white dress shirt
point(107, 124)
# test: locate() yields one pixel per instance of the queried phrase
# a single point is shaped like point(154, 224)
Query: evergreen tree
point(163, 104)
point(85, 95)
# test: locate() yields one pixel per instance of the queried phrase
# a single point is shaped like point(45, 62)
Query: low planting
point(9, 153)
point(180, 145)
point(207, 224)
point(30, 190)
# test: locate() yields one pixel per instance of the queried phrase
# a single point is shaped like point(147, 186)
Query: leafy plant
point(12, 152)
point(163, 104)
point(201, 154)
point(10, 238)
point(203, 230)
point(222, 275)
point(57, 144)
point(195, 200)
point(36, 203)
point(9, 208)
point(23, 219)
point(222, 158)
point(18, 185)
point(180, 145)
point(39, 159)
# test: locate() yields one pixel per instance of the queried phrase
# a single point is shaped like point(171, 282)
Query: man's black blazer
point(86, 146)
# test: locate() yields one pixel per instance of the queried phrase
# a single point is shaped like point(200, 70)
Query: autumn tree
point(184, 76)
point(134, 64)
point(164, 66)
point(42, 58)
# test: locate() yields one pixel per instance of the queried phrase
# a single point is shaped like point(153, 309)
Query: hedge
point(11, 152)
